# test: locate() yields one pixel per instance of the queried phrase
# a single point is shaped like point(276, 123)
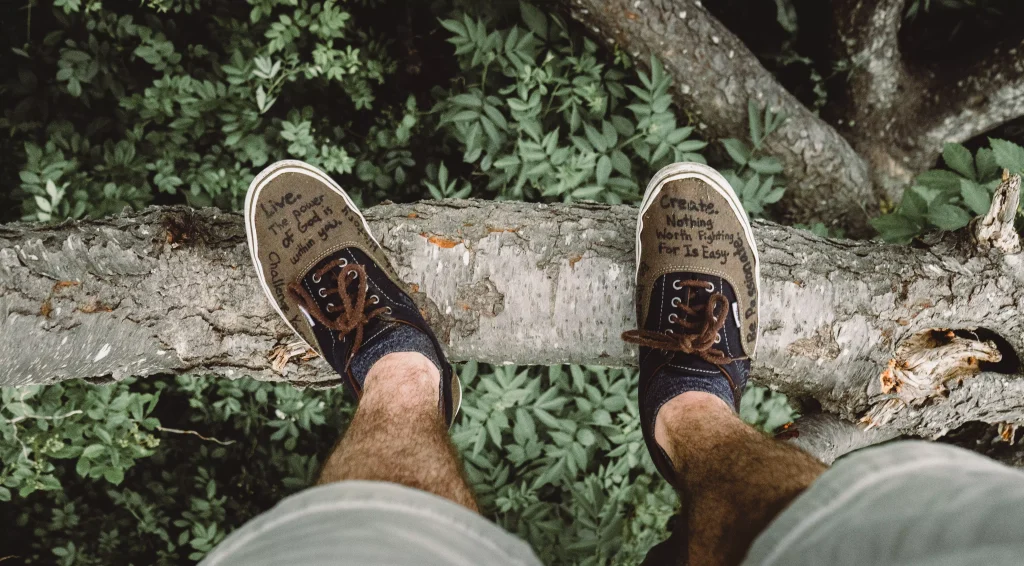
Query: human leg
point(697, 313)
point(733, 480)
point(397, 434)
point(392, 491)
point(324, 272)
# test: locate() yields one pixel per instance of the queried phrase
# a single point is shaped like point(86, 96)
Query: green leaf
point(261, 99)
point(754, 121)
point(975, 196)
point(103, 435)
point(468, 100)
point(611, 136)
point(585, 193)
point(948, 217)
point(1008, 155)
point(785, 15)
point(43, 204)
point(958, 158)
point(525, 429)
point(534, 19)
point(942, 180)
point(985, 162)
point(738, 151)
point(585, 436)
point(768, 165)
point(774, 195)
point(914, 205)
point(496, 116)
point(896, 228)
point(595, 138)
point(114, 475)
point(464, 116)
point(604, 169)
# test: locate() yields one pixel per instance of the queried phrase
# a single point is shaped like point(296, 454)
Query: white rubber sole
point(251, 195)
point(716, 181)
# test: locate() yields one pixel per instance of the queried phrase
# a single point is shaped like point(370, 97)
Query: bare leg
point(734, 479)
point(397, 434)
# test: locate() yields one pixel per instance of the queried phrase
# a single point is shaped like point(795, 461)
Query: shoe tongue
point(699, 299)
point(380, 293)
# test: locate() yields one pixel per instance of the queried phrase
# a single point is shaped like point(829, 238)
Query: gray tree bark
point(173, 290)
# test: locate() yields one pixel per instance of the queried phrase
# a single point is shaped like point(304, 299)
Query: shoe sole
point(252, 194)
point(715, 180)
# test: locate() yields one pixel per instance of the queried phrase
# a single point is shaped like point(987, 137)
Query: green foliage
point(765, 409)
point(988, 8)
point(159, 470)
point(821, 230)
point(947, 199)
point(103, 429)
point(754, 175)
point(155, 101)
point(153, 471)
point(542, 117)
point(184, 101)
point(191, 111)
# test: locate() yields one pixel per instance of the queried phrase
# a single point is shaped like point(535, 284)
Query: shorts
point(907, 503)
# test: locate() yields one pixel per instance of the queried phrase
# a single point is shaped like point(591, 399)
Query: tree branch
point(867, 34)
point(715, 77)
point(828, 437)
point(970, 97)
point(172, 290)
point(879, 87)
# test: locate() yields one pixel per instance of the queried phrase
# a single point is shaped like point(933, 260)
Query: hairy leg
point(398, 434)
point(734, 479)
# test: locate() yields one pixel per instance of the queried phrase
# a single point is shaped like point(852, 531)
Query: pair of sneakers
point(696, 285)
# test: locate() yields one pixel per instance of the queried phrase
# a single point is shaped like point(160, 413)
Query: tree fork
point(715, 76)
point(172, 290)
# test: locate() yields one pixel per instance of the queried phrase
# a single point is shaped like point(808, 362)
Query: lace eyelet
point(711, 287)
point(330, 307)
point(676, 301)
point(387, 310)
point(355, 274)
point(316, 278)
point(322, 292)
point(669, 331)
point(718, 338)
point(677, 285)
point(343, 263)
point(374, 299)
point(672, 318)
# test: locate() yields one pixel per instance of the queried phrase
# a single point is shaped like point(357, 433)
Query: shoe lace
point(354, 311)
point(700, 333)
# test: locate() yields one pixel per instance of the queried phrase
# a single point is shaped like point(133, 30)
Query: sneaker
point(697, 288)
point(329, 279)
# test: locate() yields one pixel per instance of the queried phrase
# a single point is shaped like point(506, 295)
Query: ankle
point(689, 413)
point(402, 379)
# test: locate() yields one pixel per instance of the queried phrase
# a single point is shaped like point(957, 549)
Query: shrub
point(184, 100)
point(159, 470)
point(947, 199)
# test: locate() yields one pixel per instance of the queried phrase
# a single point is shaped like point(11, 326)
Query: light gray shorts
point(907, 503)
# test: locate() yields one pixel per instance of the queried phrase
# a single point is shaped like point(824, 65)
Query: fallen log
point(172, 290)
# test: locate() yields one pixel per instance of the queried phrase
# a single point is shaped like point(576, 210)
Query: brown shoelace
point(352, 306)
point(698, 336)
